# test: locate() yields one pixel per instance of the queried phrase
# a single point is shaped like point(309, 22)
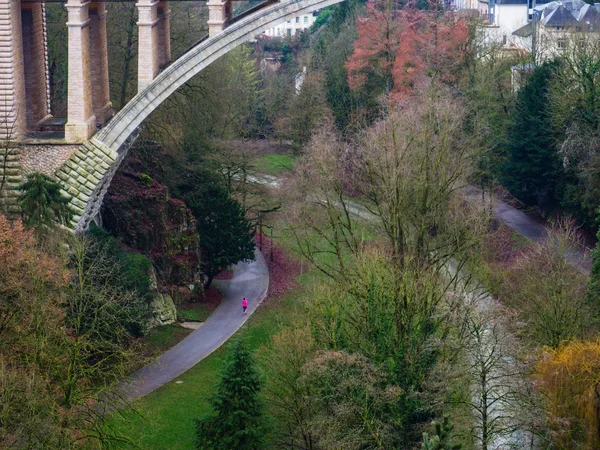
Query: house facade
point(293, 26)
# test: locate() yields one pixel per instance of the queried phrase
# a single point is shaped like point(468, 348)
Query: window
point(503, 39)
point(289, 31)
point(305, 19)
point(561, 43)
point(297, 19)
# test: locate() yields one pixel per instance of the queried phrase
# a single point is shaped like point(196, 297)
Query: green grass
point(273, 164)
point(520, 240)
point(165, 418)
point(159, 339)
point(199, 313)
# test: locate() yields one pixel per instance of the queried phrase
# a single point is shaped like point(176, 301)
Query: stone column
point(164, 35)
point(33, 23)
point(219, 13)
point(99, 62)
point(147, 42)
point(13, 109)
point(81, 121)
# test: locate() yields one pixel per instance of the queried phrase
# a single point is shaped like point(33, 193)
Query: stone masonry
point(219, 13)
point(88, 172)
point(24, 95)
point(81, 121)
point(44, 158)
point(10, 179)
point(154, 42)
point(37, 94)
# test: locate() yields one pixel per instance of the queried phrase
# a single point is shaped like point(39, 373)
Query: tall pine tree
point(43, 204)
point(532, 170)
point(238, 422)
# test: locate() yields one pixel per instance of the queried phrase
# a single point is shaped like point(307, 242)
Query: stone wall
point(10, 179)
point(45, 159)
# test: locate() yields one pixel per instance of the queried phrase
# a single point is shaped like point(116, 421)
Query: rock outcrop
point(140, 211)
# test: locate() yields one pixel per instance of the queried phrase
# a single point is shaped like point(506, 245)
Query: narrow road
point(250, 280)
point(520, 222)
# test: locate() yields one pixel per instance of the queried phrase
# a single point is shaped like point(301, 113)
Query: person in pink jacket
point(244, 305)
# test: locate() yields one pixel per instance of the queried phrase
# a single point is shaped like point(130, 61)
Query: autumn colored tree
point(400, 49)
point(30, 288)
point(569, 376)
point(433, 48)
point(31, 284)
point(375, 50)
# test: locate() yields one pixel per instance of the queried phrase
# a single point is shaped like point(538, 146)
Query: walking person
point(244, 305)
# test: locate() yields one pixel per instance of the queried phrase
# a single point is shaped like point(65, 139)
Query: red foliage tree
point(401, 49)
point(376, 47)
point(433, 49)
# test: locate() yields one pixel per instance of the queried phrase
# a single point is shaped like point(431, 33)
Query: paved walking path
point(250, 280)
point(520, 222)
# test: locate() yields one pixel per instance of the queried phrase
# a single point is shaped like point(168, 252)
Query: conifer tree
point(442, 437)
point(594, 283)
point(42, 203)
point(532, 170)
point(237, 423)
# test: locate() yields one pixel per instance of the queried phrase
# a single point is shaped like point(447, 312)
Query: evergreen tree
point(42, 203)
point(533, 170)
point(442, 437)
point(226, 236)
point(594, 283)
point(237, 423)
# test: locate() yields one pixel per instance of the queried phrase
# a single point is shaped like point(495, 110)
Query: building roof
point(565, 14)
point(525, 31)
point(559, 17)
point(589, 15)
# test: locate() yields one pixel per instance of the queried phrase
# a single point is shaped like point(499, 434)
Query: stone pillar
point(81, 121)
point(13, 111)
point(99, 57)
point(219, 13)
point(147, 42)
point(164, 35)
point(33, 23)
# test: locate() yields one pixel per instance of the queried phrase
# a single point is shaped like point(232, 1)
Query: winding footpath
point(520, 222)
point(250, 280)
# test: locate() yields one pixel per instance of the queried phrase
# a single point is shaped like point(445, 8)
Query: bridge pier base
point(219, 13)
point(154, 40)
point(81, 121)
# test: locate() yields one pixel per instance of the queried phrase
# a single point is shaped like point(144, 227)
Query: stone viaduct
point(96, 141)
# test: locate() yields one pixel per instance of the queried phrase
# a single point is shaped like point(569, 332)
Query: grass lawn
point(273, 164)
point(200, 310)
point(160, 339)
point(165, 418)
point(198, 313)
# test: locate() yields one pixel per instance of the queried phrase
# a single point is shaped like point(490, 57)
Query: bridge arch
point(86, 175)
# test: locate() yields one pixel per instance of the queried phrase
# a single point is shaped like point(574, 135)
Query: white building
point(293, 26)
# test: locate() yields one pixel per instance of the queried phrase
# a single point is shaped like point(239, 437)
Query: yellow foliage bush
point(569, 378)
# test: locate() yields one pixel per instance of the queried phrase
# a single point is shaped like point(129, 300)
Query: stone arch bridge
point(86, 170)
